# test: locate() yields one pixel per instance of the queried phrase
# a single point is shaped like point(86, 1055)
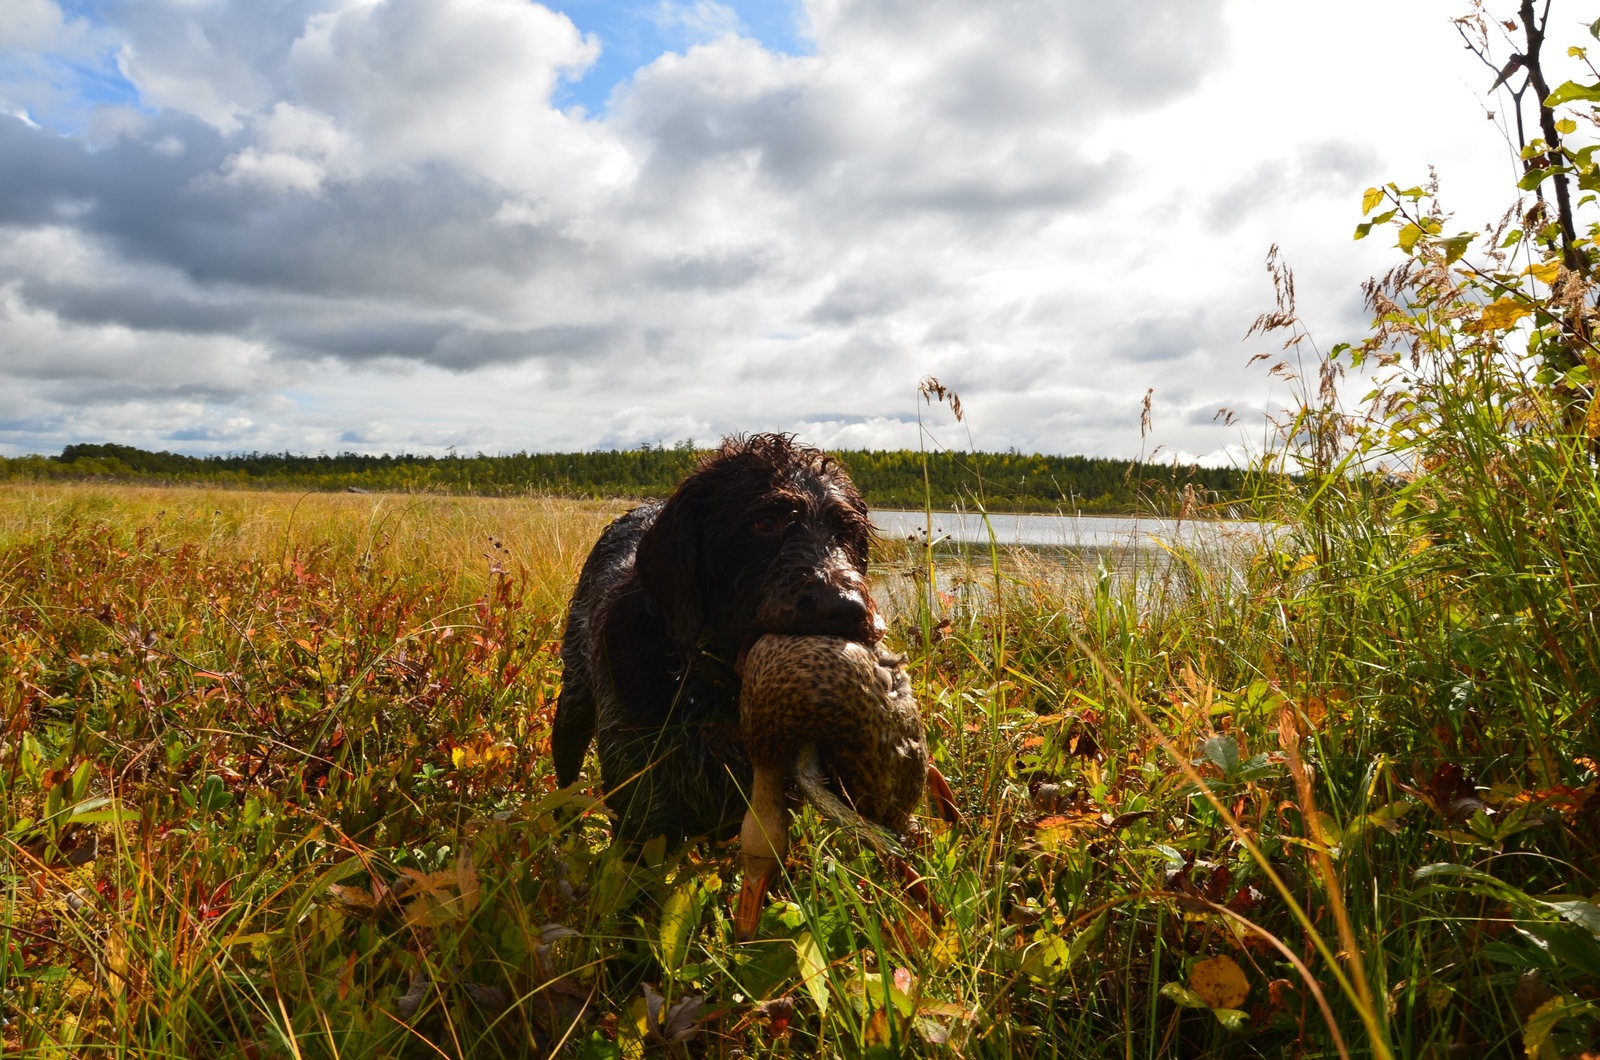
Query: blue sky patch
point(634, 33)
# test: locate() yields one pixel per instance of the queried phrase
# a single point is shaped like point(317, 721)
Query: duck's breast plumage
point(854, 703)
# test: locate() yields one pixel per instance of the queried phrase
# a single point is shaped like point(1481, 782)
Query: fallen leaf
point(678, 1022)
point(407, 1003)
point(1220, 982)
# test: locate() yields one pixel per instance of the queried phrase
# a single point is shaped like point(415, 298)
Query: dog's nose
point(833, 609)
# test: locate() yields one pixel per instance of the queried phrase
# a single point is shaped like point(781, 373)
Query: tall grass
point(276, 783)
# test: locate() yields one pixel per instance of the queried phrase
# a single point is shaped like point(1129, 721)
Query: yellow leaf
point(1370, 198)
point(1409, 236)
point(1503, 313)
point(1566, 126)
point(1545, 271)
point(1220, 982)
point(1591, 422)
point(458, 756)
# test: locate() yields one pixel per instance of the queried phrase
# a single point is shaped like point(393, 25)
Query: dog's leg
point(763, 841)
point(943, 798)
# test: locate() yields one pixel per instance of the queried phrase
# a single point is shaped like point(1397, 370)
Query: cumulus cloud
point(374, 224)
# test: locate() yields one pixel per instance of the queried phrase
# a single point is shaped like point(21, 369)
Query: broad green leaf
point(1534, 177)
point(1584, 914)
point(1231, 1018)
point(1455, 246)
point(680, 915)
point(1223, 752)
point(813, 970)
point(1568, 91)
point(1048, 959)
point(1567, 943)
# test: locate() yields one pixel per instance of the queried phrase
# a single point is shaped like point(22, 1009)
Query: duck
point(839, 720)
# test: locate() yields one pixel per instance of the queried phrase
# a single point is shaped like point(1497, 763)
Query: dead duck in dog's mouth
point(838, 718)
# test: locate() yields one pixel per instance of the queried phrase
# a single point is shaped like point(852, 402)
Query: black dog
point(766, 536)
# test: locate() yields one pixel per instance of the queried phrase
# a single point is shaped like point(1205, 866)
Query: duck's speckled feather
point(854, 704)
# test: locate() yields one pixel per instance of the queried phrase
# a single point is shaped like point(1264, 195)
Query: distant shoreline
point(1012, 483)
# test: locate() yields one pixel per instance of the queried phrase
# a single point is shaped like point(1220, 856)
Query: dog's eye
point(768, 525)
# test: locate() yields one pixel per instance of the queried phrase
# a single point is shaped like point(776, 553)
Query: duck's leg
point(943, 797)
point(763, 841)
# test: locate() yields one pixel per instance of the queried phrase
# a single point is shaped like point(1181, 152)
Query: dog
point(766, 536)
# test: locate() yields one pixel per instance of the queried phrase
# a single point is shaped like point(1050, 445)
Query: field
point(276, 783)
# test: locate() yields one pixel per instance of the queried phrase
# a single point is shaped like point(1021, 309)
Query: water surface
point(1062, 531)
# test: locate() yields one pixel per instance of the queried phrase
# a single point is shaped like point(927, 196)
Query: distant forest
point(900, 478)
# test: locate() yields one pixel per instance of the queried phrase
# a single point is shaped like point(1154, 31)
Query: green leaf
point(1567, 943)
point(1585, 914)
point(1223, 752)
point(1086, 938)
point(213, 795)
point(1568, 91)
point(1231, 1018)
point(1409, 236)
point(1533, 178)
point(1455, 246)
point(1048, 959)
point(1363, 229)
point(680, 915)
point(1182, 995)
point(347, 867)
point(813, 970)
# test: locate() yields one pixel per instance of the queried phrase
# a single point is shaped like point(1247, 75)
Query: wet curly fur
point(765, 536)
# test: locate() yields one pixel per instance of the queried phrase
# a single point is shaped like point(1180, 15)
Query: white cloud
point(1051, 205)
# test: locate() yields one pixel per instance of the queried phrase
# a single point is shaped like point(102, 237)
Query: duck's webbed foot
point(763, 840)
point(917, 887)
point(943, 798)
point(758, 876)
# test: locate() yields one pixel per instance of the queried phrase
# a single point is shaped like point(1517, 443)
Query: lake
point(1061, 531)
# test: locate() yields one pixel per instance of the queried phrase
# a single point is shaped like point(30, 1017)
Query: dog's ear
point(669, 565)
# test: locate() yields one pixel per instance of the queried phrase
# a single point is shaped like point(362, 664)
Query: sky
point(498, 225)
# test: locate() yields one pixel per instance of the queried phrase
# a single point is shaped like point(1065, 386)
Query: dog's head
point(766, 536)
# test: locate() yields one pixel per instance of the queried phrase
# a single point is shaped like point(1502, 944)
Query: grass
point(276, 783)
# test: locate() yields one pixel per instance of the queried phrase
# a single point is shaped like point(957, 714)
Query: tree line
point(896, 478)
